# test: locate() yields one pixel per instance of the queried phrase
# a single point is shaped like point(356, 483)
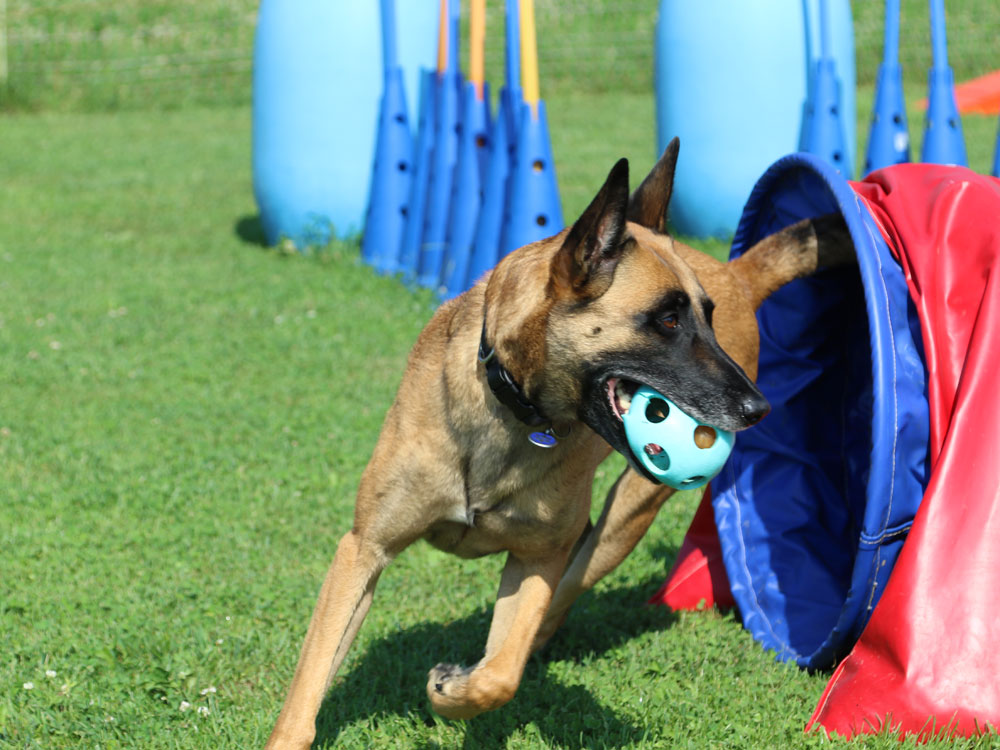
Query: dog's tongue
point(653, 449)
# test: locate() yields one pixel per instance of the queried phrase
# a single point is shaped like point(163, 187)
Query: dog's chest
point(510, 513)
point(488, 529)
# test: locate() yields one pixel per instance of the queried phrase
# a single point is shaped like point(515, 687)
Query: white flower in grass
point(29, 686)
point(50, 673)
point(210, 689)
point(204, 710)
point(184, 706)
point(55, 345)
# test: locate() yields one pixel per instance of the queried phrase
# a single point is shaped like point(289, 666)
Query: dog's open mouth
point(620, 392)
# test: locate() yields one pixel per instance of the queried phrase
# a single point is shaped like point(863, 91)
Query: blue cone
point(943, 141)
point(996, 156)
point(391, 177)
point(824, 134)
point(445, 156)
point(467, 189)
point(409, 249)
point(533, 208)
point(888, 137)
point(486, 248)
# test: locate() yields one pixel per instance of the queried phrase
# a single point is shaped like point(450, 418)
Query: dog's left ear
point(650, 201)
point(585, 264)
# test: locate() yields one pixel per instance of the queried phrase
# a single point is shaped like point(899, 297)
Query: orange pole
point(477, 45)
point(529, 55)
point(443, 38)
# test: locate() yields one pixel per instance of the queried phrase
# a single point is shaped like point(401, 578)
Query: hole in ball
point(657, 410)
point(704, 436)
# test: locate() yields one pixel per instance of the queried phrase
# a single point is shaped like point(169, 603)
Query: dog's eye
point(670, 320)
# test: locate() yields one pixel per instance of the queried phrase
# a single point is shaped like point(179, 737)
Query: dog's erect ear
point(585, 264)
point(650, 201)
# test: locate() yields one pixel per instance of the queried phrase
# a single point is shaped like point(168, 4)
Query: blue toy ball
point(663, 439)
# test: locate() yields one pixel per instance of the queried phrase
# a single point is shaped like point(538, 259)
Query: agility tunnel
point(859, 518)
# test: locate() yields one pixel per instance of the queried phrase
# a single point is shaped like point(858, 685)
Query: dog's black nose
point(754, 409)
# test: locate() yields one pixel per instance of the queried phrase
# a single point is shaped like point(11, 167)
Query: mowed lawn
point(184, 416)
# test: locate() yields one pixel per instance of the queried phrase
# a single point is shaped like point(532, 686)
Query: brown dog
point(547, 348)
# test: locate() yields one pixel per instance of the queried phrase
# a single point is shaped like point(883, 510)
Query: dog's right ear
point(650, 201)
point(585, 264)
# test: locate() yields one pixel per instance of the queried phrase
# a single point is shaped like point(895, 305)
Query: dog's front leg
point(630, 507)
point(525, 592)
point(343, 603)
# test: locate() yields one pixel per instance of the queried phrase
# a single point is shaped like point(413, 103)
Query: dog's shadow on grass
point(389, 678)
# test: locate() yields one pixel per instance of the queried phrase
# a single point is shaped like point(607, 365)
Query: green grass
point(127, 54)
point(184, 419)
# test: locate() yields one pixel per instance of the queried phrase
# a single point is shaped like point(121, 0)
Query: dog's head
point(585, 317)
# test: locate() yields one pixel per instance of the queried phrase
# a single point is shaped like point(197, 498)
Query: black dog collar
point(510, 394)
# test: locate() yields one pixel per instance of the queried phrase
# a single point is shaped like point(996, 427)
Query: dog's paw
point(448, 676)
point(447, 689)
point(463, 692)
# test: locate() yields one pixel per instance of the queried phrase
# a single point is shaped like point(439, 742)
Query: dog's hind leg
point(796, 251)
point(525, 592)
point(630, 507)
point(343, 603)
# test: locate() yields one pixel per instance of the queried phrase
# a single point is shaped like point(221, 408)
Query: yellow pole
point(477, 45)
point(443, 38)
point(529, 55)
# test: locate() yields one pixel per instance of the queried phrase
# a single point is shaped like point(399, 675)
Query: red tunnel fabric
point(929, 658)
point(698, 578)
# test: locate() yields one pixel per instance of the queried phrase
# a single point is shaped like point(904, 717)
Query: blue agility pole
point(534, 209)
point(888, 137)
point(996, 156)
point(416, 207)
point(447, 86)
point(473, 153)
point(486, 248)
point(393, 163)
point(943, 141)
point(823, 134)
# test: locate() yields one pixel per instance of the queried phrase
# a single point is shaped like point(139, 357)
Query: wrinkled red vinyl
point(698, 578)
point(929, 659)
